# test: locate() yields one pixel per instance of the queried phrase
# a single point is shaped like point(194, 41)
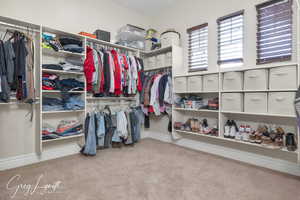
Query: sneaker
point(238, 136)
point(233, 129)
point(227, 129)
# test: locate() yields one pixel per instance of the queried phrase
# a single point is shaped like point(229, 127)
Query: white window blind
point(274, 31)
point(230, 38)
point(198, 47)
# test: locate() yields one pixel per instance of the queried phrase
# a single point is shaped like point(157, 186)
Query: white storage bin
point(160, 61)
point(281, 103)
point(169, 38)
point(283, 78)
point(180, 85)
point(232, 102)
point(211, 83)
point(168, 59)
point(256, 79)
point(256, 103)
point(233, 81)
point(194, 84)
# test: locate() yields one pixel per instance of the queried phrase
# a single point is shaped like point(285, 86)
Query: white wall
point(73, 15)
point(18, 136)
point(189, 13)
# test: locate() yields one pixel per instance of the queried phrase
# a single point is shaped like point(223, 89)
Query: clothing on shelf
point(52, 82)
point(52, 41)
point(65, 128)
point(156, 96)
point(66, 102)
point(105, 129)
point(110, 73)
point(64, 66)
point(17, 67)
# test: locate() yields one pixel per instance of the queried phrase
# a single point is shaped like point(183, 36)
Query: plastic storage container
point(194, 84)
point(169, 38)
point(256, 79)
point(256, 102)
point(283, 78)
point(211, 83)
point(180, 85)
point(281, 103)
point(233, 81)
point(232, 102)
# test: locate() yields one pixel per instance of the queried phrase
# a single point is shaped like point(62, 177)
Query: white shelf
point(63, 138)
point(198, 134)
point(244, 91)
point(238, 69)
point(237, 141)
point(203, 92)
point(61, 53)
point(58, 91)
point(195, 110)
point(62, 111)
point(157, 51)
point(259, 114)
point(62, 72)
point(157, 68)
point(105, 43)
point(112, 98)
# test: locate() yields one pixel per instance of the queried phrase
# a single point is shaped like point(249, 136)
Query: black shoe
point(290, 142)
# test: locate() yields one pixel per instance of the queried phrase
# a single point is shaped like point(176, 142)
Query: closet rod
point(17, 28)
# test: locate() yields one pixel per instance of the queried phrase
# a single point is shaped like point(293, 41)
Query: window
point(198, 47)
point(274, 31)
point(230, 39)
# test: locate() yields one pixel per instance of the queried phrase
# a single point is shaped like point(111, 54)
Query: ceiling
point(146, 7)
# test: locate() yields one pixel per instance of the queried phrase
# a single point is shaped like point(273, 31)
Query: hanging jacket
point(117, 74)
point(89, 68)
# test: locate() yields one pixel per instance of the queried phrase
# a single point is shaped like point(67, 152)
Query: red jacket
point(118, 71)
point(89, 68)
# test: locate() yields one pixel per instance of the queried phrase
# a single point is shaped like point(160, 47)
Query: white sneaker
point(227, 129)
point(238, 136)
point(233, 130)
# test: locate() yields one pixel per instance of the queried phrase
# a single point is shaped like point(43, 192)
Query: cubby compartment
point(256, 102)
point(283, 78)
point(194, 84)
point(211, 83)
point(281, 103)
point(180, 84)
point(233, 81)
point(232, 102)
point(256, 79)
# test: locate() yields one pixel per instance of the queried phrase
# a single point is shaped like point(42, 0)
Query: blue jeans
point(100, 129)
point(90, 145)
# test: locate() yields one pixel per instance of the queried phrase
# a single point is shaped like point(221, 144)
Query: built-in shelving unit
point(288, 121)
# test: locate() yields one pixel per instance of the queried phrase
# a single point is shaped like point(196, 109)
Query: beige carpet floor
point(151, 170)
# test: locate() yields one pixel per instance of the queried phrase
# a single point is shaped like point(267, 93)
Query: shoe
point(227, 129)
point(238, 136)
point(290, 142)
point(196, 125)
point(247, 133)
point(205, 127)
point(192, 122)
point(252, 137)
point(233, 130)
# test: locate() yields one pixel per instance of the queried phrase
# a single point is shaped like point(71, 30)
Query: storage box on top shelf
point(256, 102)
point(256, 79)
point(232, 102)
point(233, 81)
point(194, 84)
point(211, 83)
point(281, 103)
point(283, 78)
point(169, 38)
point(180, 84)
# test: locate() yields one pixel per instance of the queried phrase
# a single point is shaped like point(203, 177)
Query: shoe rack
point(286, 120)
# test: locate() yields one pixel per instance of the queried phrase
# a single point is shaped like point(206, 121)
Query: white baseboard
point(246, 157)
point(27, 159)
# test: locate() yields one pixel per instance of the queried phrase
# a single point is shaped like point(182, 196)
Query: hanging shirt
point(112, 73)
point(117, 73)
point(154, 100)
